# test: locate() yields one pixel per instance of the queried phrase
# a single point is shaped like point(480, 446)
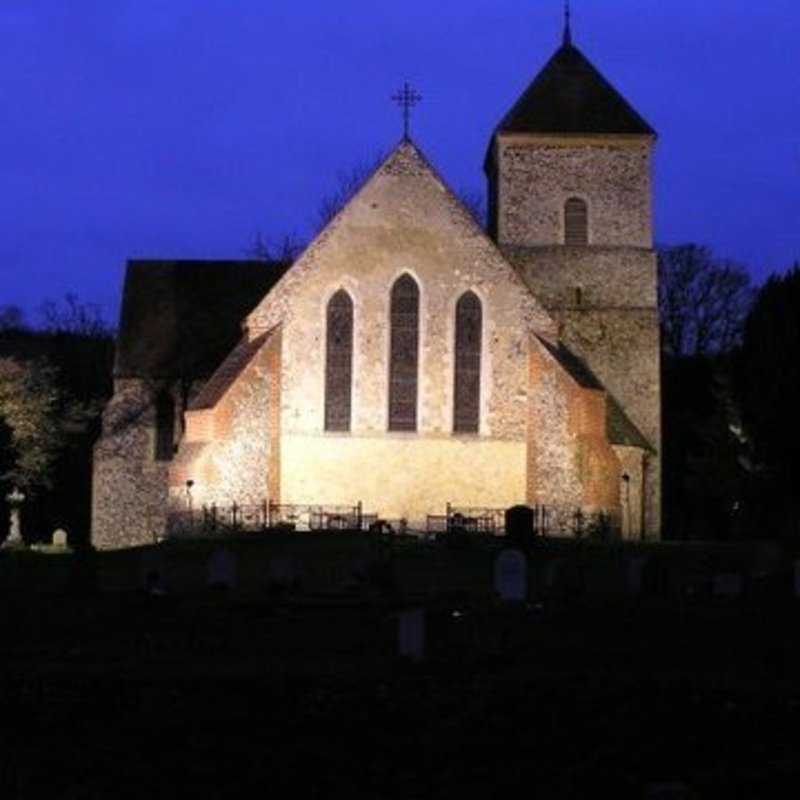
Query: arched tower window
point(404, 354)
point(576, 222)
point(338, 362)
point(467, 394)
point(165, 427)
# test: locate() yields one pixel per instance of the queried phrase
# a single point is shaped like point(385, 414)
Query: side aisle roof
point(180, 319)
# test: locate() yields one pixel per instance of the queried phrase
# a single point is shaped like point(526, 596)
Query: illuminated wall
point(401, 476)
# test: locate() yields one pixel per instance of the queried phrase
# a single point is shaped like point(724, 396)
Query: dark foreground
point(115, 693)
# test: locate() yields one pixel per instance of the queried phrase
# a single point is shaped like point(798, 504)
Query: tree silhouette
point(768, 381)
point(702, 301)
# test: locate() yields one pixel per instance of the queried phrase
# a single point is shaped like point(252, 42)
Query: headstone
point(727, 585)
point(519, 525)
point(153, 573)
point(411, 634)
point(283, 574)
point(656, 578)
point(769, 559)
point(511, 576)
point(551, 573)
point(634, 576)
point(222, 569)
point(674, 790)
point(356, 574)
point(59, 538)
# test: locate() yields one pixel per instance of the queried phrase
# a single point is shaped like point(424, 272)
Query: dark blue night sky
point(181, 128)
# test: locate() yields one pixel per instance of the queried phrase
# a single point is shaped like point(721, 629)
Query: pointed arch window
point(165, 427)
point(576, 222)
point(403, 354)
point(467, 393)
point(339, 362)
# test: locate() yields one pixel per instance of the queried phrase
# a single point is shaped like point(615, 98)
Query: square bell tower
point(570, 206)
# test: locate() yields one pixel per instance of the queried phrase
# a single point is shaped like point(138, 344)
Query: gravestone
point(411, 634)
point(552, 573)
point(59, 538)
point(222, 569)
point(634, 577)
point(656, 578)
point(674, 790)
point(729, 585)
point(283, 574)
point(519, 525)
point(153, 573)
point(355, 574)
point(511, 576)
point(768, 559)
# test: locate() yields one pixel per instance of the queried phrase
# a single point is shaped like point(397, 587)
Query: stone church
point(408, 359)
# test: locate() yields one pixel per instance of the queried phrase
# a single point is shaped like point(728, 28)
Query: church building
point(408, 360)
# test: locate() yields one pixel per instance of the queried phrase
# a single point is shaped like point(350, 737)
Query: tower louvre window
point(404, 354)
point(339, 362)
point(467, 392)
point(576, 222)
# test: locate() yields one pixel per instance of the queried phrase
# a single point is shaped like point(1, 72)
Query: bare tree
point(12, 318)
point(73, 317)
point(285, 248)
point(474, 200)
point(347, 184)
point(703, 301)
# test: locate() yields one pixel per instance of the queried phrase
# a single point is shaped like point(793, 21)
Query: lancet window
point(339, 362)
point(403, 354)
point(467, 393)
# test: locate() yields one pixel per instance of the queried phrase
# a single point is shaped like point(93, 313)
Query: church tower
point(570, 205)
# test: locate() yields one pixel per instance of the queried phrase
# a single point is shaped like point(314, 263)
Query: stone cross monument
point(15, 500)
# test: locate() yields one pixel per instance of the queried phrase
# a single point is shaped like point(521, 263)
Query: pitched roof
point(570, 95)
point(227, 372)
point(180, 319)
point(619, 427)
point(576, 368)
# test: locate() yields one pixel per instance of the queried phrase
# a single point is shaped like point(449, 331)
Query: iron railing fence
point(548, 520)
point(319, 517)
point(212, 520)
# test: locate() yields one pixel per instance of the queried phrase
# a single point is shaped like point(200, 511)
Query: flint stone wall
point(534, 176)
point(603, 296)
point(227, 450)
point(129, 489)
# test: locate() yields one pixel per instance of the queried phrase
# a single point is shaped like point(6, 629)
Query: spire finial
point(567, 24)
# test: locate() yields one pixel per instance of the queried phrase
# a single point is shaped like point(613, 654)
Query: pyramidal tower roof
point(570, 95)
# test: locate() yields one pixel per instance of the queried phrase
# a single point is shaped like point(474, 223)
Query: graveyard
point(372, 665)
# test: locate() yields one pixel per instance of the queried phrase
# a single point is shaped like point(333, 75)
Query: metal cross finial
point(406, 98)
point(567, 24)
